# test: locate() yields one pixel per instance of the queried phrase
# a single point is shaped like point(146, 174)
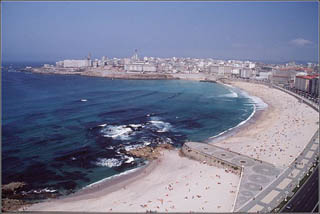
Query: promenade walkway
point(282, 187)
point(256, 175)
point(263, 186)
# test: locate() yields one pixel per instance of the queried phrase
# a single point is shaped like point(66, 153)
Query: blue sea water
point(61, 133)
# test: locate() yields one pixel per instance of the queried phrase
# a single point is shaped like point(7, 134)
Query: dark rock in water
point(11, 188)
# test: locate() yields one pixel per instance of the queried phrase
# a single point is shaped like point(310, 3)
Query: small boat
point(83, 100)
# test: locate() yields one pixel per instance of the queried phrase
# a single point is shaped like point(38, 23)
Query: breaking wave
point(121, 132)
point(160, 125)
point(112, 162)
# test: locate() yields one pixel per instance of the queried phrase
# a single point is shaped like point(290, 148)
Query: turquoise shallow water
point(61, 133)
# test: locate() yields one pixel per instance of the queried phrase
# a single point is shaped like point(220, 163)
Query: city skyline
point(266, 31)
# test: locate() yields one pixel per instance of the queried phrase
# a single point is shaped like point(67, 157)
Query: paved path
point(262, 185)
point(282, 187)
point(256, 174)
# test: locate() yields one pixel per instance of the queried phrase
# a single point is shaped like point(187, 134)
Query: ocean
point(61, 133)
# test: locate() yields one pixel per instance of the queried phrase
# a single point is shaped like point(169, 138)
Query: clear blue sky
point(50, 31)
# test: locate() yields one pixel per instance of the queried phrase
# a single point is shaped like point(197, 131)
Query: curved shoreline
point(249, 121)
point(126, 176)
point(119, 181)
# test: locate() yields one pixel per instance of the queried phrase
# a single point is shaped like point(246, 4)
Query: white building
point(74, 63)
point(140, 67)
point(245, 73)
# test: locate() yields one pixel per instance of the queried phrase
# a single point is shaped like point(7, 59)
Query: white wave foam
point(257, 104)
point(103, 125)
point(135, 126)
point(117, 132)
point(230, 86)
point(230, 95)
point(160, 125)
point(121, 132)
point(256, 101)
point(110, 147)
point(137, 146)
point(112, 162)
point(130, 159)
point(43, 190)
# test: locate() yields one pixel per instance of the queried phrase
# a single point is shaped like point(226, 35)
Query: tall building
point(135, 56)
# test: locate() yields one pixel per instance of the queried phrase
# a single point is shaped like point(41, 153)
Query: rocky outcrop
point(12, 204)
point(11, 187)
point(148, 152)
point(8, 193)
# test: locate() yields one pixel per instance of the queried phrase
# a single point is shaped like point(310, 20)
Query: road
point(307, 197)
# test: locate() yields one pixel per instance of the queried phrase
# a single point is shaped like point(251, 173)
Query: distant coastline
point(98, 72)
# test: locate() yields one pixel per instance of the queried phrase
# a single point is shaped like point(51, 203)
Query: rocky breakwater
point(149, 152)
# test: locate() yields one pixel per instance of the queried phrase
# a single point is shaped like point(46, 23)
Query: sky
point(265, 31)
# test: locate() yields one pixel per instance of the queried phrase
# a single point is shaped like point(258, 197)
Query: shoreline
point(113, 183)
point(110, 184)
point(278, 125)
point(257, 117)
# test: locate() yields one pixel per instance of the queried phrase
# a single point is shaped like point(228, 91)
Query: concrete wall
point(209, 159)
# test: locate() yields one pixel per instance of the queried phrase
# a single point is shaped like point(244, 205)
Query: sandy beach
point(178, 184)
point(282, 131)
